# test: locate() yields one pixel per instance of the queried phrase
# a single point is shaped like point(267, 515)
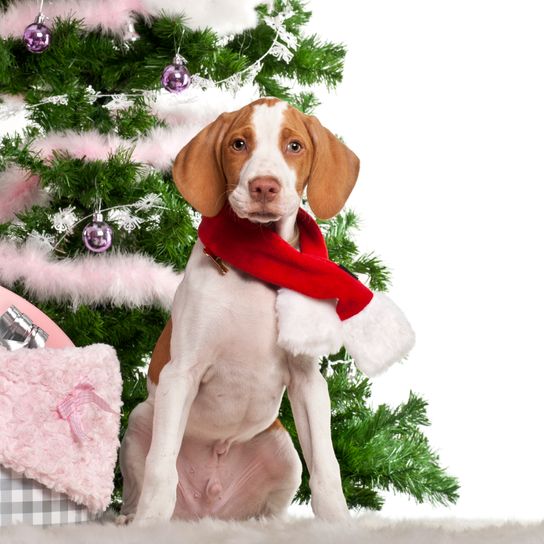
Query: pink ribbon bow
point(68, 409)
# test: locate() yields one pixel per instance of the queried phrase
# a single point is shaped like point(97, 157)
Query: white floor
point(366, 529)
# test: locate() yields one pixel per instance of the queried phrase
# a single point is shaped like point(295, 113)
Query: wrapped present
point(27, 326)
point(18, 331)
point(59, 423)
point(23, 500)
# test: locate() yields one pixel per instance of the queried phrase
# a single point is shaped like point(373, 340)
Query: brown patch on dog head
point(294, 131)
point(232, 158)
point(334, 171)
point(197, 171)
point(325, 165)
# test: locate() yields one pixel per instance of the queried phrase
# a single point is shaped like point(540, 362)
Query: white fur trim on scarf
point(378, 336)
point(223, 16)
point(307, 326)
point(116, 278)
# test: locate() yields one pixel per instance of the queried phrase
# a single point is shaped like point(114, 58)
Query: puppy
point(206, 442)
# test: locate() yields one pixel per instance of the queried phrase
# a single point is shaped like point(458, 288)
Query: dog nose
point(264, 189)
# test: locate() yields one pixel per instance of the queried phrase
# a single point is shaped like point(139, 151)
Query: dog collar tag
point(217, 261)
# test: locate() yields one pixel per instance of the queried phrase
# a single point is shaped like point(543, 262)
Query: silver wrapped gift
point(18, 331)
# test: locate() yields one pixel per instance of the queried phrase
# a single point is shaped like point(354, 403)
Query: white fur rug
point(364, 530)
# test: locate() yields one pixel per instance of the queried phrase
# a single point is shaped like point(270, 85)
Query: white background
point(444, 104)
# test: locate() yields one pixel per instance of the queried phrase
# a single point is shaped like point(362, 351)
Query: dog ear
point(334, 171)
point(198, 172)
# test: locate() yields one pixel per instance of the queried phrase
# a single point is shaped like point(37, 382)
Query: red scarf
point(262, 253)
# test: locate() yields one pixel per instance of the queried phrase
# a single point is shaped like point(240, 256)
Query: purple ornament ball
point(176, 78)
point(37, 37)
point(97, 236)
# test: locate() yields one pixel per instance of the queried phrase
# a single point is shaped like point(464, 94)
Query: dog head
point(261, 158)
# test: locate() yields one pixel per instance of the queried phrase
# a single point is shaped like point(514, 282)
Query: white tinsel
point(224, 40)
point(91, 95)
point(119, 102)
point(195, 217)
point(154, 220)
point(148, 202)
point(233, 83)
point(277, 22)
point(124, 219)
point(282, 52)
point(64, 220)
point(42, 239)
point(61, 99)
point(16, 230)
point(282, 49)
point(10, 110)
point(198, 82)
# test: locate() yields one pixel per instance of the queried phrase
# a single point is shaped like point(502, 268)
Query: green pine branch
point(343, 250)
point(378, 450)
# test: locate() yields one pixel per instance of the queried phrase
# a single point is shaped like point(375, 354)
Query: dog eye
point(294, 147)
point(239, 144)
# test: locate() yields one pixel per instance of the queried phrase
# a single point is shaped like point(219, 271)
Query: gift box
point(59, 425)
point(23, 500)
point(24, 325)
point(59, 422)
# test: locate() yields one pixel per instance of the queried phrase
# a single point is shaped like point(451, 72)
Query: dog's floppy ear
point(334, 171)
point(198, 172)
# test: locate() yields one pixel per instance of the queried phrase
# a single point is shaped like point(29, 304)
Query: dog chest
point(230, 323)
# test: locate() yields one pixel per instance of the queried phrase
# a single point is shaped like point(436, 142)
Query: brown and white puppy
point(206, 442)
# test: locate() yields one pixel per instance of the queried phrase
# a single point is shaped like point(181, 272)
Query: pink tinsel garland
point(19, 190)
point(118, 279)
point(224, 16)
point(187, 117)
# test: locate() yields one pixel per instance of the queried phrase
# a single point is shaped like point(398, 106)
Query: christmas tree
point(92, 169)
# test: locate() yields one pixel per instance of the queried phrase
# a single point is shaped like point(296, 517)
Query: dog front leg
point(176, 390)
point(310, 403)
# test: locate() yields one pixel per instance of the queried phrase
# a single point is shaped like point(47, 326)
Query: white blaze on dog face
point(265, 164)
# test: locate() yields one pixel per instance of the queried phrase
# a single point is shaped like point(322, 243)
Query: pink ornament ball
point(97, 236)
point(176, 77)
point(37, 37)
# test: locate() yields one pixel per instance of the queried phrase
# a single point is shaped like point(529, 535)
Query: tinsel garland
point(119, 279)
point(223, 16)
point(19, 190)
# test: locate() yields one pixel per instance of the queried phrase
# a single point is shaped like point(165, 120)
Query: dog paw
point(330, 511)
point(124, 519)
point(148, 521)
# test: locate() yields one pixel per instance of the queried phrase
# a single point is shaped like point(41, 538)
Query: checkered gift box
point(59, 425)
point(27, 501)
